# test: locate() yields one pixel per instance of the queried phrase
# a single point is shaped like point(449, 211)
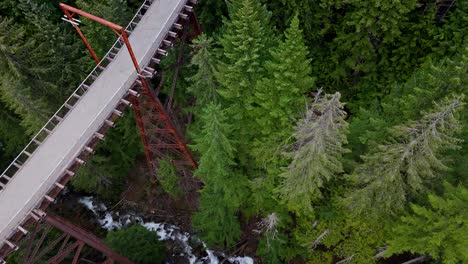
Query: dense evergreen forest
point(326, 131)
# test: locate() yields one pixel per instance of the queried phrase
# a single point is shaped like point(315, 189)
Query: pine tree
point(280, 95)
point(138, 244)
point(56, 42)
point(316, 159)
point(31, 85)
point(364, 47)
point(210, 12)
point(245, 45)
point(203, 84)
point(439, 230)
point(216, 221)
point(12, 135)
point(16, 80)
point(168, 178)
point(402, 166)
point(101, 37)
point(224, 188)
point(432, 81)
point(104, 174)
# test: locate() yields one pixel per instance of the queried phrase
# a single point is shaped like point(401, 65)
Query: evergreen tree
point(168, 178)
point(56, 42)
point(224, 188)
point(210, 13)
point(435, 79)
point(16, 78)
point(138, 244)
point(102, 37)
point(401, 167)
point(216, 221)
point(280, 95)
point(12, 136)
point(366, 43)
point(245, 43)
point(31, 85)
point(203, 84)
point(104, 174)
point(316, 159)
point(439, 230)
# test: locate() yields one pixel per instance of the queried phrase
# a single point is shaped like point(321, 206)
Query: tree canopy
point(325, 131)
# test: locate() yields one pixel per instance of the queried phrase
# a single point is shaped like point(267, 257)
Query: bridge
point(34, 179)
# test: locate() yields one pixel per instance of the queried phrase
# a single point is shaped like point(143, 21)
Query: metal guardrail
point(69, 104)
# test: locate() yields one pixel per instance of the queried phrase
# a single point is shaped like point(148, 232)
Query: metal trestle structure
point(55, 240)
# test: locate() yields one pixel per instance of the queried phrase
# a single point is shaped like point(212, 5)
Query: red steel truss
point(66, 243)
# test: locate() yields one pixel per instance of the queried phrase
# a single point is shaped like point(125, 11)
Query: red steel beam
point(143, 135)
point(84, 236)
point(90, 16)
point(78, 252)
point(82, 37)
point(196, 24)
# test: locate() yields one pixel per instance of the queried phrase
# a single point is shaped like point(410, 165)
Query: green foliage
point(203, 84)
point(400, 167)
point(245, 43)
point(273, 251)
point(16, 77)
point(12, 135)
point(434, 80)
point(439, 229)
point(389, 60)
point(280, 94)
point(366, 46)
point(451, 35)
point(216, 221)
point(222, 194)
point(210, 14)
point(316, 159)
point(104, 174)
point(102, 37)
point(138, 244)
point(217, 152)
point(30, 85)
point(168, 178)
point(273, 246)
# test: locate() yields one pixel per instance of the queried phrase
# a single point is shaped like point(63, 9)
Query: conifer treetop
point(320, 137)
point(410, 158)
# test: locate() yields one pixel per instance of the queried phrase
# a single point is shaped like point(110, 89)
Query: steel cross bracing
point(32, 182)
point(66, 243)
